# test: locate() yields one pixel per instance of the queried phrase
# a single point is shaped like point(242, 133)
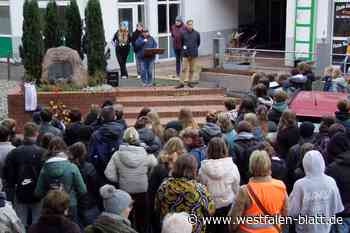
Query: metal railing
point(343, 62)
point(244, 55)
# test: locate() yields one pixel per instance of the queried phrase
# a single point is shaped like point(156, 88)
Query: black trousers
point(219, 228)
point(122, 55)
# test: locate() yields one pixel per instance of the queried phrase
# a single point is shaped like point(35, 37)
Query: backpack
point(56, 183)
point(26, 184)
point(103, 154)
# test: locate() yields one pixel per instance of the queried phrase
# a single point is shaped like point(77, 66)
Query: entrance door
point(129, 15)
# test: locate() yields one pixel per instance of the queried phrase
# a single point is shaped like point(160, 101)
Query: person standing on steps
point(176, 33)
point(135, 35)
point(190, 41)
point(146, 41)
point(122, 41)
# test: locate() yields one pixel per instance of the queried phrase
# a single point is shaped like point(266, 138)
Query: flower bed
point(74, 99)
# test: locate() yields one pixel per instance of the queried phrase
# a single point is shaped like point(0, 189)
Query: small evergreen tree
point(52, 31)
point(74, 27)
point(32, 42)
point(95, 37)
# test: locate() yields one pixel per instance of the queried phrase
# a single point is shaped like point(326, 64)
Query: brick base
point(156, 97)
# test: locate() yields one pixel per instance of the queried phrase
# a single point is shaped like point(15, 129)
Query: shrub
point(32, 48)
point(74, 27)
point(95, 37)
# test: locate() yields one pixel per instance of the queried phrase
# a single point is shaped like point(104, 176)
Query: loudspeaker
point(113, 78)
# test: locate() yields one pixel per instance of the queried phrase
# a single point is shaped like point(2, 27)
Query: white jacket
point(129, 168)
point(222, 178)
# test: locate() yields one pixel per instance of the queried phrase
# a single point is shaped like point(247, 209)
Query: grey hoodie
point(129, 168)
point(315, 194)
point(5, 148)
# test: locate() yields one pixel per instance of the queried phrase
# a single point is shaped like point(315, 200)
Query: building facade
point(210, 16)
point(305, 26)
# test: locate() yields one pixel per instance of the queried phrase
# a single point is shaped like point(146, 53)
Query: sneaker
point(190, 85)
point(138, 76)
point(124, 77)
point(180, 86)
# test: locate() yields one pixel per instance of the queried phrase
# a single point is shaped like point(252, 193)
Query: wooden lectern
point(151, 53)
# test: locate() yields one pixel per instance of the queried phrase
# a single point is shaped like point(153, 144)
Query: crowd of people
point(99, 174)
point(186, 42)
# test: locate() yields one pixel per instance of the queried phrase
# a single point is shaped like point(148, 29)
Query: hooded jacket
point(210, 130)
point(222, 178)
point(245, 144)
point(129, 167)
point(343, 118)
point(276, 111)
point(315, 194)
point(103, 143)
point(5, 148)
point(67, 173)
point(153, 143)
point(340, 171)
point(9, 221)
point(110, 223)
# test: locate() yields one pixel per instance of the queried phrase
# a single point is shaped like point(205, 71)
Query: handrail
point(269, 50)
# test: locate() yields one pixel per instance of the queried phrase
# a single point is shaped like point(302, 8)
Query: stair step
point(173, 111)
point(168, 91)
point(151, 101)
point(165, 120)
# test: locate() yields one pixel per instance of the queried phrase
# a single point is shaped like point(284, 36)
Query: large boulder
point(63, 64)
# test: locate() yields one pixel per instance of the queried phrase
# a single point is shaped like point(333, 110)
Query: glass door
point(129, 15)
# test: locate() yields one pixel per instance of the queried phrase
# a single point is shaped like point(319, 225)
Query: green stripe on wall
point(5, 46)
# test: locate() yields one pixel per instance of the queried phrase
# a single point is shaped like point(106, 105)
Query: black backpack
point(26, 184)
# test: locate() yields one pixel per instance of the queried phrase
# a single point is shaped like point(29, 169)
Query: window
point(131, 0)
point(5, 25)
point(168, 10)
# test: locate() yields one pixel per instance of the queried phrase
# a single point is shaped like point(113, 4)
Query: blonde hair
point(328, 71)
point(131, 136)
point(156, 125)
point(252, 119)
point(336, 73)
point(174, 145)
point(224, 122)
point(186, 119)
point(260, 164)
point(287, 119)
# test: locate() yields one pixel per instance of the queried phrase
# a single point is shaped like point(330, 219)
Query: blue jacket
point(103, 143)
point(141, 45)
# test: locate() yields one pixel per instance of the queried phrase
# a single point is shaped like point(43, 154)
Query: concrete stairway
point(168, 101)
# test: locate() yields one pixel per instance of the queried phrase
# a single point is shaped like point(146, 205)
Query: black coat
point(191, 41)
point(340, 171)
point(28, 153)
point(241, 152)
point(286, 138)
point(71, 134)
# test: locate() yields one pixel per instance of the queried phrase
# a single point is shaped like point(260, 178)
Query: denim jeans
point(147, 71)
point(178, 55)
point(342, 228)
point(25, 210)
point(138, 66)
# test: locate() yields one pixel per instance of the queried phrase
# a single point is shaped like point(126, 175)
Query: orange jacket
point(272, 195)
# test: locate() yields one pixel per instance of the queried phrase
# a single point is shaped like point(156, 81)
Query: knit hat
point(307, 129)
point(114, 200)
point(179, 18)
